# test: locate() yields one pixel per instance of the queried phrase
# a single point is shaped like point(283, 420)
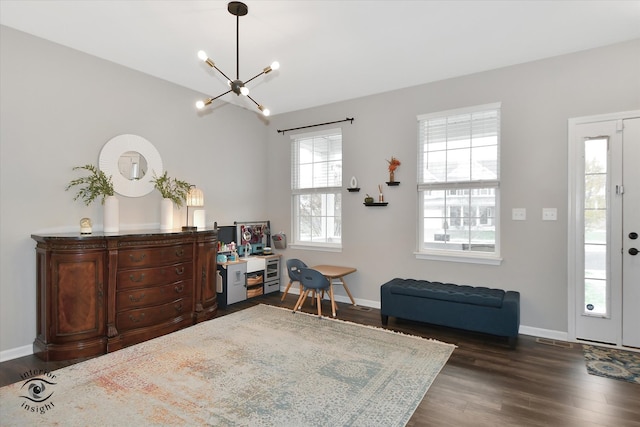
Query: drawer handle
point(139, 259)
point(133, 278)
point(179, 252)
point(136, 299)
point(178, 307)
point(179, 288)
point(138, 319)
point(180, 271)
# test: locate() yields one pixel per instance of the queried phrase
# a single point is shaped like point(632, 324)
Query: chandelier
point(236, 86)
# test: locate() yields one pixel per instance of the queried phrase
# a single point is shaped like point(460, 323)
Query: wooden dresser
point(101, 292)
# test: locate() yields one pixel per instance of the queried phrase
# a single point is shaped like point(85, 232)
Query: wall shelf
point(353, 190)
point(376, 204)
point(393, 183)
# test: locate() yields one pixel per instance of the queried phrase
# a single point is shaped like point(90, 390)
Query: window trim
point(451, 255)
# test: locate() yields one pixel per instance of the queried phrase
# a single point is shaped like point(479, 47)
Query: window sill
point(454, 257)
point(321, 248)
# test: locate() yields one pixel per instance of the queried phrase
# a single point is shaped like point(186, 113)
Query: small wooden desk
point(332, 272)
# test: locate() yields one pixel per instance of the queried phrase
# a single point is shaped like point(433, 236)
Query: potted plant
point(173, 191)
point(98, 185)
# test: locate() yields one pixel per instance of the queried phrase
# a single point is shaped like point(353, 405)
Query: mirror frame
point(116, 147)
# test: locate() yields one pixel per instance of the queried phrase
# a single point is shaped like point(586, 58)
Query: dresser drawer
point(149, 316)
point(136, 298)
point(143, 277)
point(129, 258)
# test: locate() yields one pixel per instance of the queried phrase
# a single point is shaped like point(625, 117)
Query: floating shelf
point(353, 190)
point(376, 204)
point(393, 183)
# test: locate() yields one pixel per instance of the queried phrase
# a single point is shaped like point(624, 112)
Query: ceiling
point(329, 51)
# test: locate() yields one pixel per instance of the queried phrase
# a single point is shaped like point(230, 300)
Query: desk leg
point(344, 284)
point(333, 301)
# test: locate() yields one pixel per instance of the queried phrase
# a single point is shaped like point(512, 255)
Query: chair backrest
point(293, 268)
point(313, 279)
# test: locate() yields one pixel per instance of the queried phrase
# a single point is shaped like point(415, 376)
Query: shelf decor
point(353, 185)
point(393, 165)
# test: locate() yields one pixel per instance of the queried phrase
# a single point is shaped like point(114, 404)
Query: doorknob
point(633, 235)
point(633, 251)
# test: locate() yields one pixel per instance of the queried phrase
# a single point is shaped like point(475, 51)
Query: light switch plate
point(519, 214)
point(549, 214)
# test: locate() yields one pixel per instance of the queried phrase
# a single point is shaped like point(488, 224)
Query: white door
point(631, 234)
point(605, 212)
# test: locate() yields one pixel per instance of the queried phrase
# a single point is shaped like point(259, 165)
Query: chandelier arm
point(220, 71)
point(254, 77)
point(254, 101)
point(213, 99)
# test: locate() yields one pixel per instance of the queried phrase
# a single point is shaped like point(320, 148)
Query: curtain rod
point(319, 124)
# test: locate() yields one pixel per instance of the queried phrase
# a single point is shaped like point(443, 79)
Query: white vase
point(111, 215)
point(166, 214)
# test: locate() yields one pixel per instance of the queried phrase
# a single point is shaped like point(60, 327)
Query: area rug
point(263, 366)
point(612, 363)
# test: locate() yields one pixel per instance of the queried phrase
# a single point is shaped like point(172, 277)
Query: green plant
point(171, 188)
point(96, 185)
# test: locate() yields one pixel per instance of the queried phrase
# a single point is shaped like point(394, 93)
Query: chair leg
point(300, 301)
point(319, 304)
point(286, 290)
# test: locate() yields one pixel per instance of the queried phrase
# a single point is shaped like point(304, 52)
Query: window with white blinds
point(316, 188)
point(459, 181)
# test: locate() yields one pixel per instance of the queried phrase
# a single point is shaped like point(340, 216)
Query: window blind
point(459, 147)
point(316, 161)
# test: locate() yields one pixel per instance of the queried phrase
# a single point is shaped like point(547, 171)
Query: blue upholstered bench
point(479, 309)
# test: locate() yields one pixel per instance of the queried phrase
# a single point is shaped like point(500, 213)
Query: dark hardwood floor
point(484, 383)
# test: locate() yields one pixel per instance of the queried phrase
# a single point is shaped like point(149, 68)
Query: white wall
point(537, 99)
point(57, 109)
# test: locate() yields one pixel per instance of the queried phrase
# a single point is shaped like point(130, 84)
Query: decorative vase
point(166, 214)
point(391, 176)
point(111, 214)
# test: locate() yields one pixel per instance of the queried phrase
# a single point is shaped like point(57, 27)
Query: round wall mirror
point(131, 161)
point(132, 165)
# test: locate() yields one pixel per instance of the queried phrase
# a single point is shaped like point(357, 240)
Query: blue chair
point(313, 280)
point(293, 268)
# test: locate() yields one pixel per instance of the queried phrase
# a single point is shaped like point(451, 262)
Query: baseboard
point(544, 333)
point(340, 298)
point(14, 353)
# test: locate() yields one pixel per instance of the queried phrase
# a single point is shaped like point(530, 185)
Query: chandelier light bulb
point(265, 111)
point(203, 55)
point(244, 90)
point(275, 65)
point(200, 105)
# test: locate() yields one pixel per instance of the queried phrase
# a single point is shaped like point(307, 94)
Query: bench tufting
point(474, 308)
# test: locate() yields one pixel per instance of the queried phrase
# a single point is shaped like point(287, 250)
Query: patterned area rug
point(263, 366)
point(612, 363)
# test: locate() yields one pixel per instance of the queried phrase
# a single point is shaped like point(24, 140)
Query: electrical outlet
point(549, 214)
point(519, 214)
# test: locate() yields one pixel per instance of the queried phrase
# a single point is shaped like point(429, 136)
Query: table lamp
point(195, 197)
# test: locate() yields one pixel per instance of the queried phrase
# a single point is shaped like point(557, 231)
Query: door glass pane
point(595, 216)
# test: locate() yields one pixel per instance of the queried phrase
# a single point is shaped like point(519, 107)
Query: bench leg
point(385, 319)
point(513, 341)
